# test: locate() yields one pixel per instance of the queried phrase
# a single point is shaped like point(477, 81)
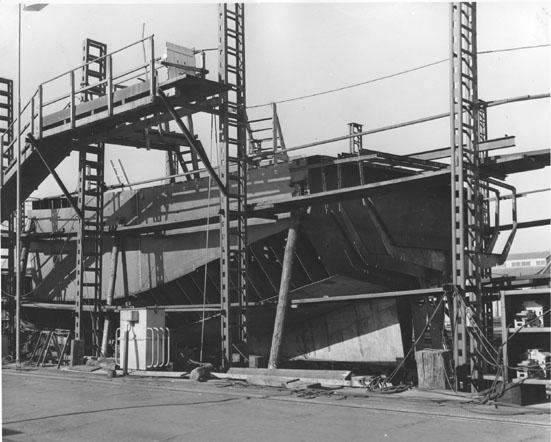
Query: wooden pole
point(283, 299)
point(110, 295)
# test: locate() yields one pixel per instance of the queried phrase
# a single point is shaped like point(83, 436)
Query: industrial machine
point(142, 342)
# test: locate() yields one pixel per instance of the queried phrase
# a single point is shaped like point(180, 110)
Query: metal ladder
point(7, 157)
point(6, 120)
point(185, 157)
point(232, 156)
point(90, 204)
point(266, 136)
point(466, 191)
point(94, 71)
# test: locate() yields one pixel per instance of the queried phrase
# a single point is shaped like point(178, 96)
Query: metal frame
point(467, 194)
point(232, 155)
point(90, 201)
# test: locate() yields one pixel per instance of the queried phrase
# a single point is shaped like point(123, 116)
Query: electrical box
point(179, 60)
point(143, 335)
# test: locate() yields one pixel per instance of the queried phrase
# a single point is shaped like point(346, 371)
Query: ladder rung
point(4, 106)
point(259, 119)
point(91, 223)
point(92, 73)
point(94, 164)
point(4, 93)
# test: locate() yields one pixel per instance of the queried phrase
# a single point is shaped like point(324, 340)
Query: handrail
point(490, 246)
point(167, 346)
point(71, 72)
point(117, 349)
point(98, 58)
point(499, 258)
point(147, 330)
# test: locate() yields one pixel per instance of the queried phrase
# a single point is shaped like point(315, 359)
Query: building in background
point(521, 264)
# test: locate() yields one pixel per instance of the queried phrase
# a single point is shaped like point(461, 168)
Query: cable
point(412, 348)
point(407, 71)
point(373, 80)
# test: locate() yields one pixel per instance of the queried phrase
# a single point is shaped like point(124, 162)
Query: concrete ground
point(50, 405)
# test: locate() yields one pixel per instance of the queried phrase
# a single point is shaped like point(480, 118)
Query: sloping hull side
point(396, 240)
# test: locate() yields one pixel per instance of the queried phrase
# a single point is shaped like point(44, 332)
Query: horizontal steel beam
point(190, 308)
point(415, 292)
point(342, 194)
point(527, 224)
point(484, 146)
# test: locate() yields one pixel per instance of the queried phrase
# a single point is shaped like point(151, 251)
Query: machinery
point(142, 342)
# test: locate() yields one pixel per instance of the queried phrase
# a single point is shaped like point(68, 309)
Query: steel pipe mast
point(232, 157)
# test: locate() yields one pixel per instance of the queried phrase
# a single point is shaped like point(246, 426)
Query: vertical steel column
point(232, 156)
point(6, 157)
point(466, 195)
point(90, 204)
point(356, 146)
point(487, 312)
point(355, 142)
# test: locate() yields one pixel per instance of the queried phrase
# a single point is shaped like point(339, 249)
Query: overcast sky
point(297, 49)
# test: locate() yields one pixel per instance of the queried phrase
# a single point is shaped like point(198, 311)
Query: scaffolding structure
point(105, 108)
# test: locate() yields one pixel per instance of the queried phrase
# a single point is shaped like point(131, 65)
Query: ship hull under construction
point(394, 237)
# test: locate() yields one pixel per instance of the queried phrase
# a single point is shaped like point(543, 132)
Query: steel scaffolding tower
point(466, 192)
point(90, 203)
point(7, 157)
point(232, 157)
point(355, 142)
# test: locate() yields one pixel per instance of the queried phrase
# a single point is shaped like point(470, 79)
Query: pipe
point(284, 298)
point(110, 296)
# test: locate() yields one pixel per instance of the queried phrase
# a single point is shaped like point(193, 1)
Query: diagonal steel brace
point(195, 145)
point(34, 143)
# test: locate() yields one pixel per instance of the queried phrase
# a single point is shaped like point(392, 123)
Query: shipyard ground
point(46, 404)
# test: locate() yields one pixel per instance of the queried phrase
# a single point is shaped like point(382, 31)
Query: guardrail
point(160, 340)
point(40, 104)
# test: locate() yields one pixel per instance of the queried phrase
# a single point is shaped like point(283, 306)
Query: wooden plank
point(283, 297)
point(434, 369)
point(292, 373)
point(283, 381)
